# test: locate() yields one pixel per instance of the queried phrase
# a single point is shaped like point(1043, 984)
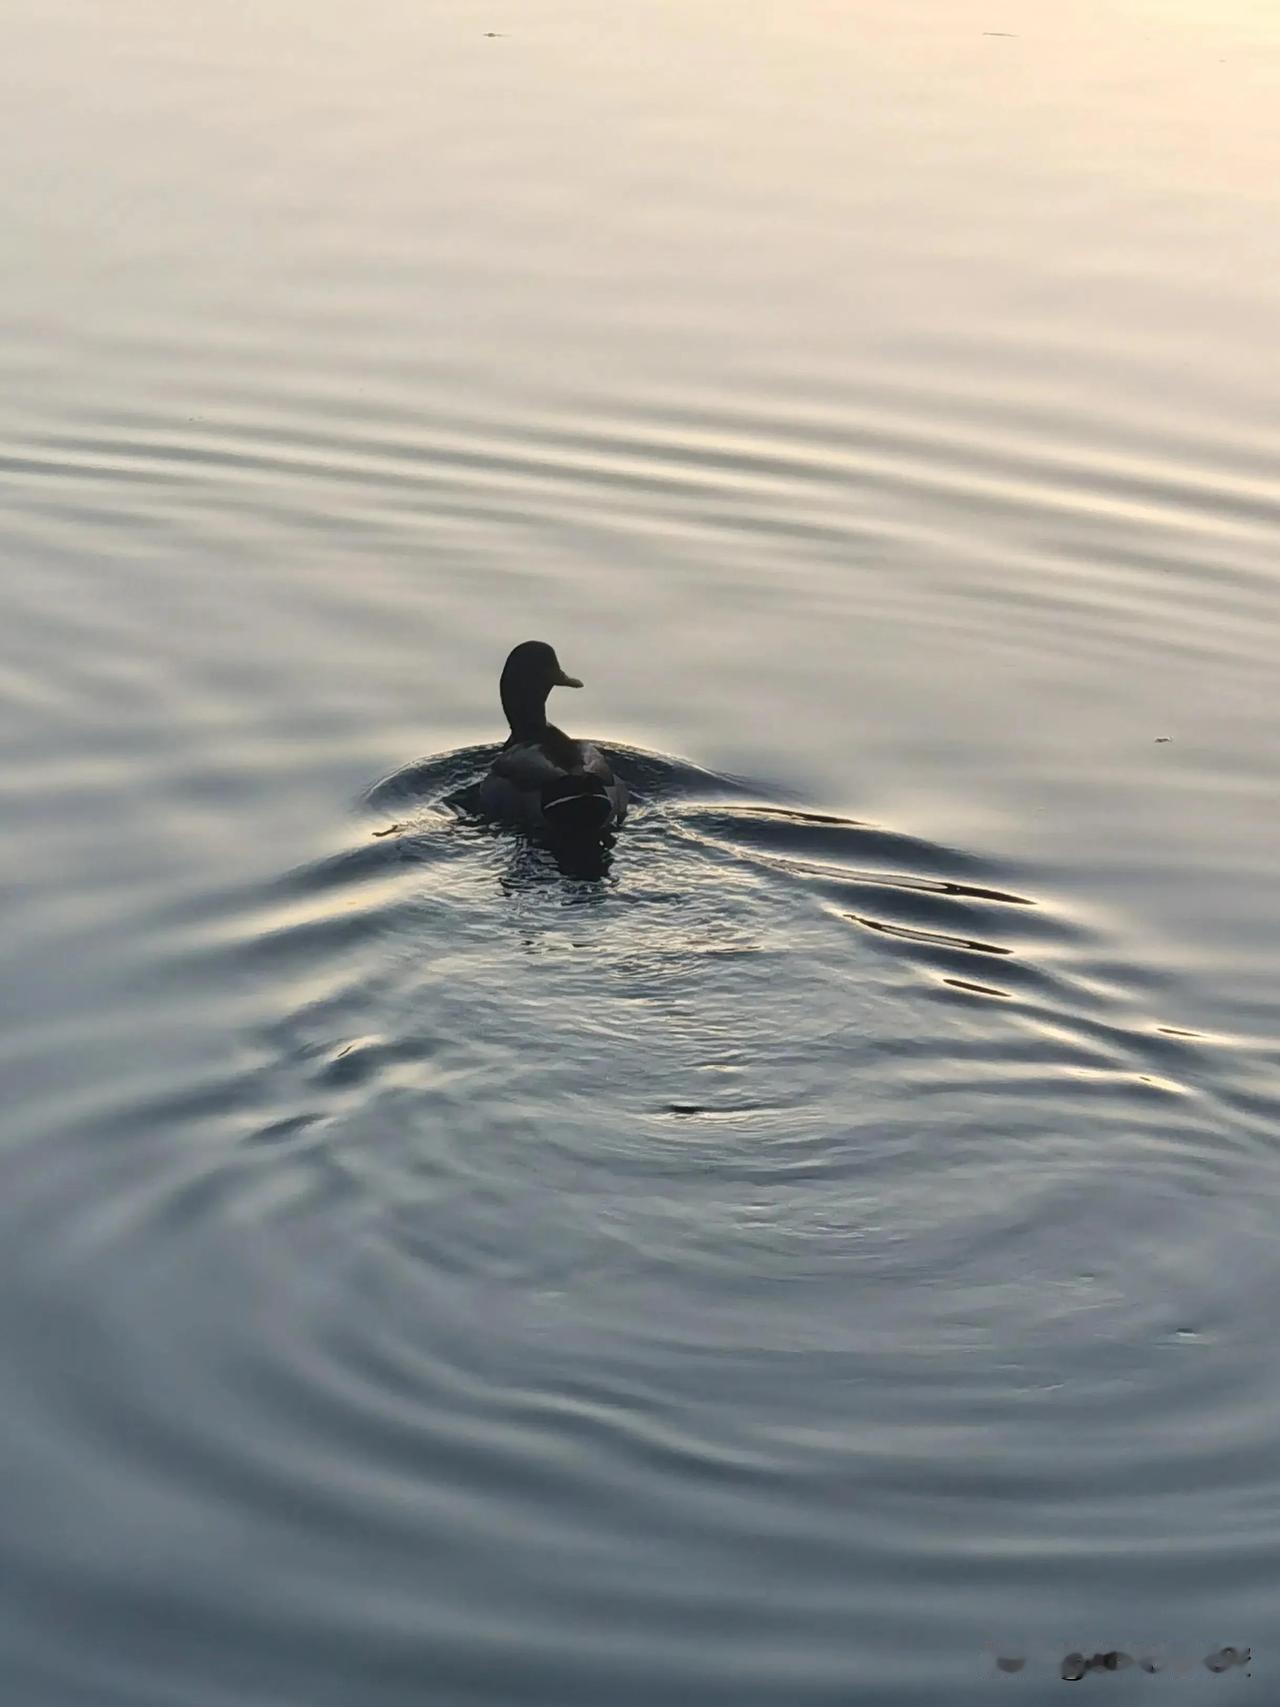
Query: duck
point(543, 779)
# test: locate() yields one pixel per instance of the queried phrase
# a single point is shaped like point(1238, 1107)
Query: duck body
point(543, 779)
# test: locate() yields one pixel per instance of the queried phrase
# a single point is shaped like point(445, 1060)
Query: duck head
point(528, 676)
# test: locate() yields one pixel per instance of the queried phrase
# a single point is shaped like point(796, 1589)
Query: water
point(829, 1247)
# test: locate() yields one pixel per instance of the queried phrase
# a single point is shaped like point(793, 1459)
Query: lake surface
point(832, 1245)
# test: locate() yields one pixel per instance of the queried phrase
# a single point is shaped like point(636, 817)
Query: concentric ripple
point(548, 1193)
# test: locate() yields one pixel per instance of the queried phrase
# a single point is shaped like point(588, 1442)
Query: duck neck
point(526, 710)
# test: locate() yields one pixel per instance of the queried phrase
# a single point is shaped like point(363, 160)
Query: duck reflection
point(581, 867)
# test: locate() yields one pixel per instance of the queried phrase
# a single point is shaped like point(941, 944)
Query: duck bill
point(563, 681)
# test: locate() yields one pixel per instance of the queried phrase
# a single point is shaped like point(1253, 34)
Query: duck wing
point(526, 767)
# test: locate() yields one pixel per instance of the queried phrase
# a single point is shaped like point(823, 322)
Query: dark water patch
point(355, 1062)
point(976, 989)
point(284, 1129)
point(912, 933)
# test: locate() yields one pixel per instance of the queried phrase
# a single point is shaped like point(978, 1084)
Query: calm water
point(834, 1245)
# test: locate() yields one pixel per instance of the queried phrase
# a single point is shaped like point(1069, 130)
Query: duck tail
point(576, 806)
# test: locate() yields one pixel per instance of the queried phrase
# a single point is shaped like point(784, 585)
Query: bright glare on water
point(828, 1245)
